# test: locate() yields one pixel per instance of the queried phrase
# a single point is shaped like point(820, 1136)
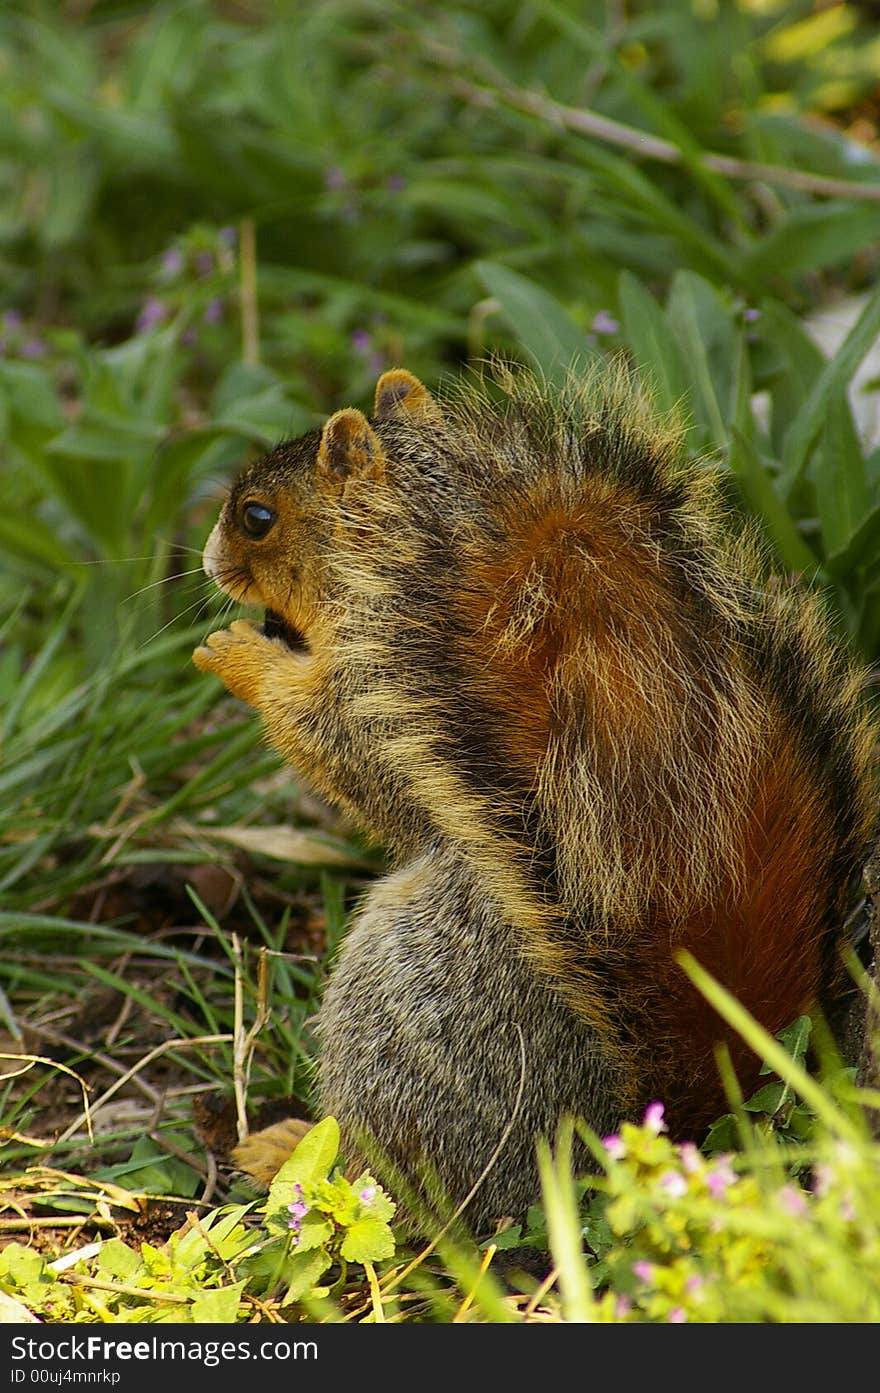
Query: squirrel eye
point(256, 519)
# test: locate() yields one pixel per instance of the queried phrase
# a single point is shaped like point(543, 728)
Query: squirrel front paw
point(241, 656)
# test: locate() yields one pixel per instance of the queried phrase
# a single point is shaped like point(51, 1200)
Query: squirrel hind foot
point(261, 1155)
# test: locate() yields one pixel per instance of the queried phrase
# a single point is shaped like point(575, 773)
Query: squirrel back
point(530, 635)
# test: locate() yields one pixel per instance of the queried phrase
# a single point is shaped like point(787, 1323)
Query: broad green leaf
point(98, 435)
point(31, 395)
point(301, 1272)
point(267, 417)
point(842, 495)
point(799, 362)
point(652, 345)
point(796, 1039)
point(835, 376)
point(543, 326)
point(310, 1161)
point(217, 1307)
point(315, 1230)
point(810, 237)
point(704, 329)
point(767, 1099)
point(862, 547)
point(29, 538)
point(117, 1260)
point(368, 1240)
point(760, 493)
point(241, 381)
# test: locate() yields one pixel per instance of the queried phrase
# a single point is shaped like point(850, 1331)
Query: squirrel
point(513, 633)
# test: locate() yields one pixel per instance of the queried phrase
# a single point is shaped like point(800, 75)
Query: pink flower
point(614, 1146)
point(720, 1177)
point(297, 1211)
point(690, 1157)
point(674, 1183)
point(643, 1270)
point(604, 323)
point(794, 1201)
point(653, 1119)
point(367, 1194)
point(172, 263)
point(677, 1316)
point(153, 311)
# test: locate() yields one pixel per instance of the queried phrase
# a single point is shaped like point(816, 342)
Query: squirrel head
point(272, 542)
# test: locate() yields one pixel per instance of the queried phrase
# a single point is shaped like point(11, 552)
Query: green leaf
point(309, 1162)
point(760, 493)
point(767, 1099)
point(30, 539)
point(834, 377)
point(796, 1038)
point(796, 362)
point(755, 481)
point(217, 1307)
point(381, 1206)
point(117, 1260)
point(543, 326)
point(652, 345)
point(100, 436)
point(862, 547)
point(704, 329)
point(842, 495)
point(368, 1240)
point(315, 1230)
point(32, 395)
point(301, 1272)
point(810, 237)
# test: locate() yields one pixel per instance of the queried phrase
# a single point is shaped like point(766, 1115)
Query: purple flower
point(614, 1146)
point(720, 1177)
point(213, 312)
point(153, 311)
point(653, 1119)
point(367, 1194)
point(172, 263)
point(228, 236)
point(395, 183)
point(297, 1210)
point(674, 1183)
point(361, 341)
point(12, 320)
point(204, 263)
point(643, 1270)
point(604, 323)
point(750, 315)
point(335, 178)
point(690, 1157)
point(33, 348)
point(794, 1201)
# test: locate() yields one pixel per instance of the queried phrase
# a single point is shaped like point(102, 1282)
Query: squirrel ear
point(349, 446)
point(398, 393)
